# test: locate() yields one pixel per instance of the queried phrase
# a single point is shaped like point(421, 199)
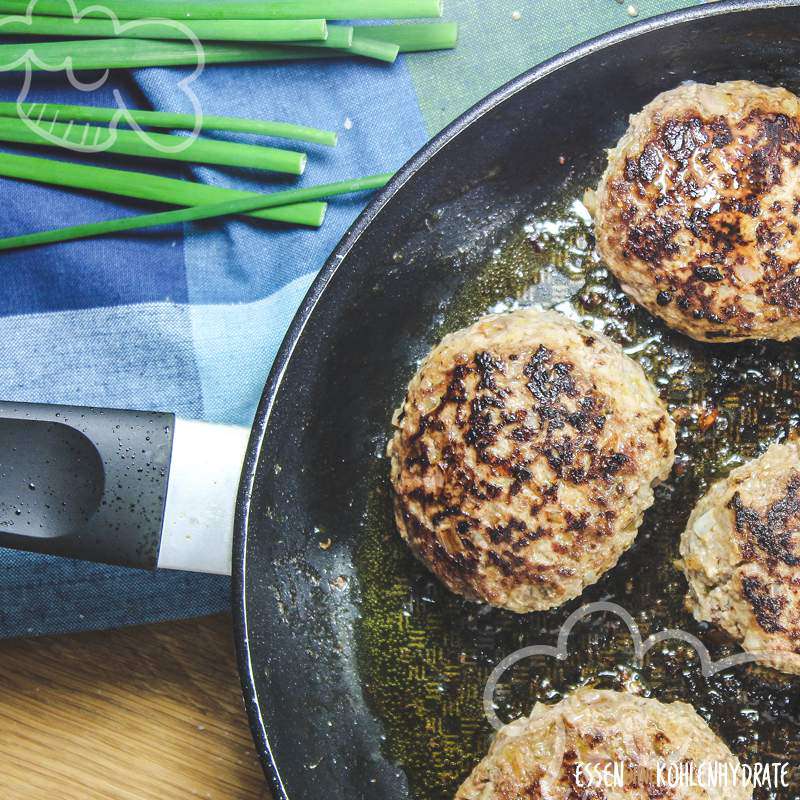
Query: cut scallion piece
point(143, 186)
point(236, 9)
point(339, 36)
point(383, 42)
point(132, 53)
point(311, 214)
point(91, 138)
point(206, 30)
point(374, 48)
point(210, 211)
point(412, 38)
point(165, 119)
point(347, 43)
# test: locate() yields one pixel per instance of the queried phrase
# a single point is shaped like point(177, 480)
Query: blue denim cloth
point(189, 319)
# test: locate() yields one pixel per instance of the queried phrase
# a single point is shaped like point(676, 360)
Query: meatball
point(524, 457)
point(644, 736)
point(698, 212)
point(741, 556)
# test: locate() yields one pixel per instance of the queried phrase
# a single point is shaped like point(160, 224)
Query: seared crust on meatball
point(530, 759)
point(698, 212)
point(741, 555)
point(524, 458)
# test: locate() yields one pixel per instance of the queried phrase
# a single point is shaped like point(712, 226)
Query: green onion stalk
point(38, 112)
point(375, 41)
point(144, 186)
point(206, 30)
point(91, 138)
point(236, 9)
point(210, 211)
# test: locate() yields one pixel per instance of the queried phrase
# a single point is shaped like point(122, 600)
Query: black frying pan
point(362, 676)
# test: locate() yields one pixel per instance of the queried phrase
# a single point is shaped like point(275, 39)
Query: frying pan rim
point(320, 283)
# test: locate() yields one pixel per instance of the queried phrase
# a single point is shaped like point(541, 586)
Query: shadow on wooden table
point(149, 713)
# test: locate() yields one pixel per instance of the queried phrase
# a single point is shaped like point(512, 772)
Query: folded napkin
point(189, 320)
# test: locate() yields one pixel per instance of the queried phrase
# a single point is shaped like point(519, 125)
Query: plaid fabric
point(189, 319)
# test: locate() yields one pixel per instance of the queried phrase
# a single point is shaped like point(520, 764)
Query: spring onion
point(346, 42)
point(209, 211)
point(91, 138)
point(164, 119)
point(131, 53)
point(380, 42)
point(412, 38)
point(143, 186)
point(205, 30)
point(374, 48)
point(372, 41)
point(236, 9)
point(339, 36)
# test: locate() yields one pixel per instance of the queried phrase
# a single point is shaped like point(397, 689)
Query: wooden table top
point(149, 713)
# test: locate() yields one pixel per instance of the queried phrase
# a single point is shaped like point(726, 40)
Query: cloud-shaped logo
point(641, 648)
point(44, 126)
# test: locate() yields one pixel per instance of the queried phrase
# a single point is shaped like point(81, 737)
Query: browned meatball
point(524, 458)
point(741, 552)
point(698, 212)
point(529, 759)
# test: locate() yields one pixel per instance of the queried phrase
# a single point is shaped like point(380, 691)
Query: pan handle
point(136, 488)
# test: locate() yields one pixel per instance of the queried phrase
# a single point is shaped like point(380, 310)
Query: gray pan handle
point(137, 488)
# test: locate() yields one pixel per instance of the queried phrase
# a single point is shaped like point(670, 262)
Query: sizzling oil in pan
point(425, 654)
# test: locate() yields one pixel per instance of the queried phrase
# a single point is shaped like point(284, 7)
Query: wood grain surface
point(150, 713)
